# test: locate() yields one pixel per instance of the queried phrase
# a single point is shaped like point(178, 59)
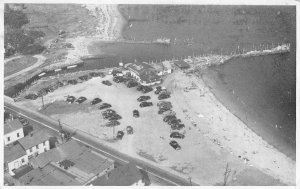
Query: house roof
point(34, 138)
point(181, 64)
point(125, 175)
point(139, 67)
point(50, 156)
point(12, 125)
point(167, 64)
point(149, 76)
point(13, 152)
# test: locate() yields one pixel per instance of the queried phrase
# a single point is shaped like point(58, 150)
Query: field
point(15, 65)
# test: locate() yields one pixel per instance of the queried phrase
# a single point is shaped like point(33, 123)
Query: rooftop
point(13, 152)
point(139, 66)
point(34, 138)
point(12, 125)
point(181, 64)
point(125, 175)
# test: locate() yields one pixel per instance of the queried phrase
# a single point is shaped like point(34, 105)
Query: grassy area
point(18, 64)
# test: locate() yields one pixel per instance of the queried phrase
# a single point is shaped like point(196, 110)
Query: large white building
point(143, 73)
point(14, 157)
point(13, 131)
point(35, 143)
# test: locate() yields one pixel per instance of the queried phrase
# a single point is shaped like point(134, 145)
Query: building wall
point(41, 149)
point(17, 163)
point(13, 136)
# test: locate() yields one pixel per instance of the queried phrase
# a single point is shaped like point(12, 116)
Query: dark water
point(265, 84)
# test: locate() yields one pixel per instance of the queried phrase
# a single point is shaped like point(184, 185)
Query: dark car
point(136, 113)
point(129, 130)
point(162, 110)
point(139, 88)
point(59, 84)
point(143, 98)
point(120, 135)
point(70, 99)
point(96, 101)
point(176, 135)
point(80, 100)
point(106, 82)
point(177, 126)
point(175, 145)
point(84, 77)
point(157, 91)
point(104, 105)
point(31, 96)
point(132, 83)
point(173, 121)
point(118, 79)
point(147, 89)
point(145, 104)
point(163, 96)
point(108, 112)
point(23, 121)
point(72, 82)
point(113, 123)
point(114, 117)
point(169, 117)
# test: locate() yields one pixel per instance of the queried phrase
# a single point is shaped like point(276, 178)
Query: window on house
point(18, 134)
point(37, 146)
point(23, 160)
point(8, 138)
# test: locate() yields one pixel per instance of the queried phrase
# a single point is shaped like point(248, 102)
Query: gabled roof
point(149, 76)
point(13, 152)
point(125, 175)
point(34, 138)
point(139, 67)
point(12, 125)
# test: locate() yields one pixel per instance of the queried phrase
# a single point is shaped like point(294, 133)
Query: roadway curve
point(120, 158)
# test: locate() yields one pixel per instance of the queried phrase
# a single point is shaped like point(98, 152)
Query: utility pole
point(226, 174)
point(43, 101)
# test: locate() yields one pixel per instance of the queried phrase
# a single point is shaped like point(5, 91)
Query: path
point(40, 61)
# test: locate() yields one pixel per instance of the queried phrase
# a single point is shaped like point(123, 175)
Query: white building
point(35, 143)
point(143, 73)
point(13, 131)
point(167, 67)
point(14, 157)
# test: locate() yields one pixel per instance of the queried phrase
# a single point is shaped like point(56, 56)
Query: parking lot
point(151, 135)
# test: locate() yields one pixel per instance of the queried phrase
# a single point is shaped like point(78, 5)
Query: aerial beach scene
point(201, 95)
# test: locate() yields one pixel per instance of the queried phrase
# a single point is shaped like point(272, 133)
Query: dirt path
point(39, 62)
point(12, 58)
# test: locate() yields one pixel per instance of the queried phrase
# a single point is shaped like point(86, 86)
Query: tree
point(14, 18)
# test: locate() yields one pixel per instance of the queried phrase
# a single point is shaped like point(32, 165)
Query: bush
point(33, 49)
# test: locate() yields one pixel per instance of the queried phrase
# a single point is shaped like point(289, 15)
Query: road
point(160, 175)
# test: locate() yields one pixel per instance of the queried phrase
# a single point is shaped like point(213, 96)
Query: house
point(35, 143)
point(159, 68)
point(181, 64)
point(126, 175)
point(143, 73)
point(14, 157)
point(13, 131)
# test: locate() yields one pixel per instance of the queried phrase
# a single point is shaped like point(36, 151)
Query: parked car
point(176, 135)
point(136, 113)
point(174, 121)
point(129, 130)
point(118, 79)
point(168, 117)
point(80, 100)
point(163, 103)
point(143, 98)
point(101, 74)
point(106, 82)
point(72, 82)
point(177, 126)
point(163, 110)
point(163, 96)
point(145, 104)
point(120, 135)
point(139, 87)
point(146, 89)
point(132, 83)
point(70, 99)
point(114, 117)
point(84, 77)
point(59, 84)
point(175, 145)
point(31, 96)
point(104, 105)
point(108, 112)
point(113, 123)
point(96, 101)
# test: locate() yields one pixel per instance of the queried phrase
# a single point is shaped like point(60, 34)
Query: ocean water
point(264, 87)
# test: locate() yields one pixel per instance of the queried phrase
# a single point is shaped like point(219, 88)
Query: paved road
point(156, 173)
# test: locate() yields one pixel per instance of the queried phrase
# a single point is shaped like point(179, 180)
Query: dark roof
point(13, 152)
point(12, 125)
point(181, 64)
point(149, 76)
point(34, 138)
point(125, 175)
